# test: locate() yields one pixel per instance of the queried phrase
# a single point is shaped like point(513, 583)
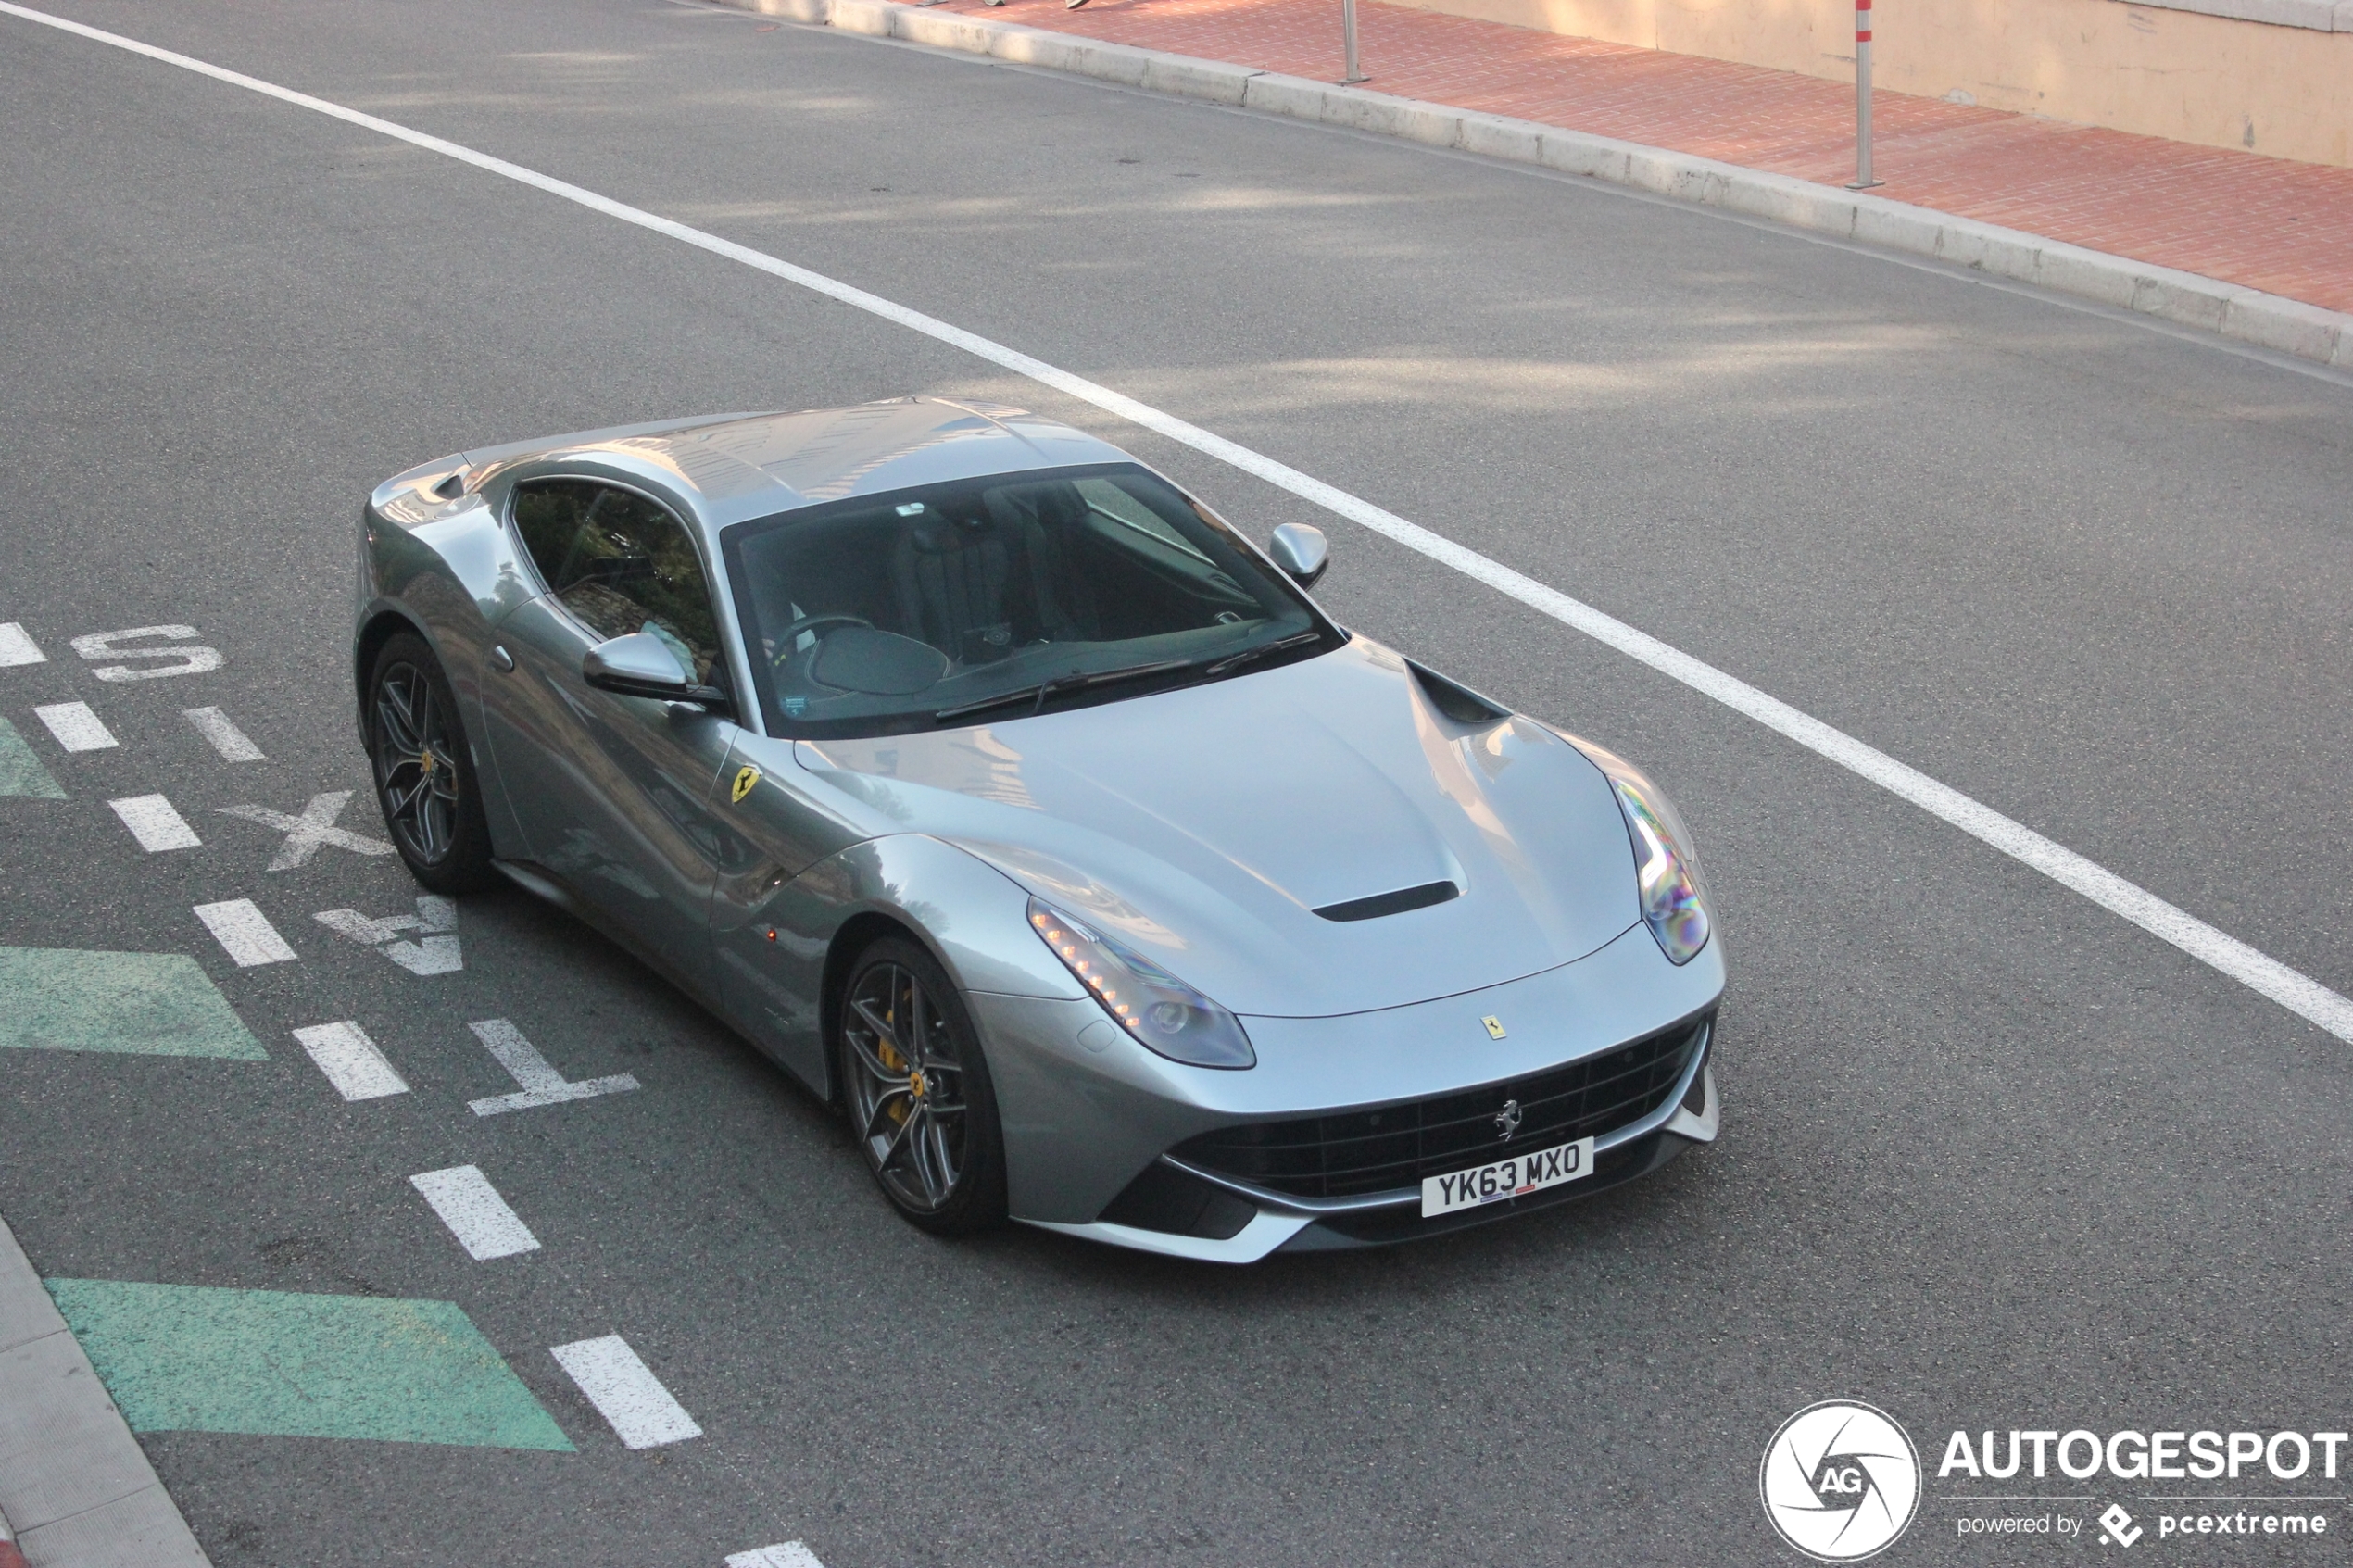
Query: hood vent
point(1456, 700)
point(1396, 903)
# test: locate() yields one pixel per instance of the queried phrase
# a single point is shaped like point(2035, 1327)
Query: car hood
point(1206, 825)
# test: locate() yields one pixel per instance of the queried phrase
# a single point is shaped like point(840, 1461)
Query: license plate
point(1516, 1177)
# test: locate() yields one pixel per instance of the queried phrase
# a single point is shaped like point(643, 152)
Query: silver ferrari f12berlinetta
point(1020, 806)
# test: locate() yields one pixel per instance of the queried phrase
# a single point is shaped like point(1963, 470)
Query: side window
point(621, 564)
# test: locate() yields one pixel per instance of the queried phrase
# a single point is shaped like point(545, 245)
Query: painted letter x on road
point(306, 832)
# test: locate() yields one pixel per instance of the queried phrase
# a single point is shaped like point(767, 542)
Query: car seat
point(950, 576)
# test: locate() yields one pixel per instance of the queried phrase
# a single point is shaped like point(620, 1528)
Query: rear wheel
point(917, 1090)
point(426, 784)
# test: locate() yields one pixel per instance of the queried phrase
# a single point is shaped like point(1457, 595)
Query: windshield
point(992, 598)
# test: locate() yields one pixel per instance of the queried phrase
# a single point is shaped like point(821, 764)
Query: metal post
point(1863, 181)
point(1348, 35)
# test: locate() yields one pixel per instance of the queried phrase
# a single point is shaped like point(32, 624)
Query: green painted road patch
point(193, 1358)
point(21, 770)
point(148, 1004)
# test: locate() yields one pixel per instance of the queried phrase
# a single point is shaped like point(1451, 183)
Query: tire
point(426, 785)
point(917, 1090)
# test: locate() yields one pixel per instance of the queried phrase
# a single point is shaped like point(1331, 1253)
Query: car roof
point(729, 468)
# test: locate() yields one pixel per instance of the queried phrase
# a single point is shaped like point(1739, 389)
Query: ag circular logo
point(1840, 1481)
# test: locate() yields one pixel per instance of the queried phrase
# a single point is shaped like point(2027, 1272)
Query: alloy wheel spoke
point(882, 1103)
point(897, 1136)
point(403, 802)
point(937, 1137)
point(919, 1157)
point(876, 1021)
point(433, 826)
point(398, 713)
point(918, 1025)
point(873, 1063)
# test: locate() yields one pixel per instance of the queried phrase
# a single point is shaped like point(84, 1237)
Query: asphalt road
point(1992, 1158)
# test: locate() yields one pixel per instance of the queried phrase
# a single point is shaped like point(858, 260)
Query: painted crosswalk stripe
point(75, 726)
point(226, 739)
point(17, 646)
point(244, 933)
point(626, 1392)
point(784, 1554)
point(481, 1219)
point(154, 824)
point(351, 1061)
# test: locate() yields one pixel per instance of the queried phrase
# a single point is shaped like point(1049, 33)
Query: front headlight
point(1165, 1015)
point(1666, 870)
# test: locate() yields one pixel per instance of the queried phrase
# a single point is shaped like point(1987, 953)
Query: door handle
point(502, 660)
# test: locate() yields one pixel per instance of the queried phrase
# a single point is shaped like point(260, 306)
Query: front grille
point(1350, 1153)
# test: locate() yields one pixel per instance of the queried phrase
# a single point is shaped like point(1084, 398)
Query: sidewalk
point(2260, 223)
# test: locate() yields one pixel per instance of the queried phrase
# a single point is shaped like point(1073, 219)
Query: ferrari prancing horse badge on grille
point(745, 778)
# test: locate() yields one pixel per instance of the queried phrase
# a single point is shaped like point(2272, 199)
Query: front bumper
point(1084, 1118)
point(1280, 1224)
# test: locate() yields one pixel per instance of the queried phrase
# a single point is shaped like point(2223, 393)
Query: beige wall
point(2285, 91)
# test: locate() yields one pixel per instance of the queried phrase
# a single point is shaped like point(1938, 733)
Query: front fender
point(448, 572)
point(973, 920)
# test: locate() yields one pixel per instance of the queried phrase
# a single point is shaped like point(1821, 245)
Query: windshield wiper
point(1236, 661)
point(1035, 696)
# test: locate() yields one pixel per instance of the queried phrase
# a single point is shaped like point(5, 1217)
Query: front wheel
point(918, 1091)
point(426, 784)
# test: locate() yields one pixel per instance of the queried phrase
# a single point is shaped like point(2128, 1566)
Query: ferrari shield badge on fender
point(1494, 1026)
point(745, 778)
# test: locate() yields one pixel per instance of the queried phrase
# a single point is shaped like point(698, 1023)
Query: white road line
point(244, 933)
point(784, 1554)
point(475, 1214)
point(542, 1084)
point(2298, 993)
point(226, 739)
point(17, 647)
point(75, 727)
point(626, 1392)
point(351, 1061)
point(154, 824)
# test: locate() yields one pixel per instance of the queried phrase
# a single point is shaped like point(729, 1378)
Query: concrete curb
point(73, 1481)
point(2249, 316)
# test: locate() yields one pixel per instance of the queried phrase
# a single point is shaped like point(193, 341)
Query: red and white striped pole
point(1863, 181)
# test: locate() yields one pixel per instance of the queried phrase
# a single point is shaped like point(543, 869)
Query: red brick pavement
point(2265, 222)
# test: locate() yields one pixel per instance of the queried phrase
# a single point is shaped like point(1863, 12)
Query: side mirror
point(642, 665)
point(1301, 552)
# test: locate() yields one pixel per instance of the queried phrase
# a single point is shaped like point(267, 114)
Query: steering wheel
point(791, 634)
